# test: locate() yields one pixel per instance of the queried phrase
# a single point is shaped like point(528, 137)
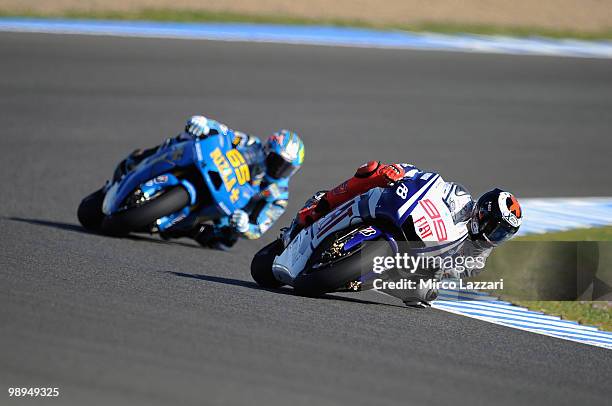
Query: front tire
point(261, 265)
point(90, 213)
point(319, 277)
point(136, 218)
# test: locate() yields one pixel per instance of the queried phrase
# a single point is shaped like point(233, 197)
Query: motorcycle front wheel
point(323, 275)
point(145, 214)
point(90, 213)
point(261, 265)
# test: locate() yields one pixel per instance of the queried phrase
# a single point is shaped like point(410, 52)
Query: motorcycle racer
point(271, 166)
point(477, 226)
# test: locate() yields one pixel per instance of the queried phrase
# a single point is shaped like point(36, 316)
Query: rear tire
point(261, 265)
point(136, 218)
point(90, 213)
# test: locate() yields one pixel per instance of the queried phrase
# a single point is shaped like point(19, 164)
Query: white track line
point(316, 35)
point(540, 216)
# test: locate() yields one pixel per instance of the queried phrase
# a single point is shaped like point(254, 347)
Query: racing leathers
point(262, 211)
point(460, 242)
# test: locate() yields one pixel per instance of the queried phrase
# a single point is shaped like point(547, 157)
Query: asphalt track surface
point(141, 321)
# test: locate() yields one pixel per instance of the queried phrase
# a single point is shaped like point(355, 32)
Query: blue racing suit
point(264, 208)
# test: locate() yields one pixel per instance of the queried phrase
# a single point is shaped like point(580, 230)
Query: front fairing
point(163, 161)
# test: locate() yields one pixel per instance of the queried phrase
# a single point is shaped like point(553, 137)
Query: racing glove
point(197, 126)
point(239, 221)
point(390, 174)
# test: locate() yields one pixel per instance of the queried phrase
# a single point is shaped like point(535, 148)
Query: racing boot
point(210, 237)
point(421, 298)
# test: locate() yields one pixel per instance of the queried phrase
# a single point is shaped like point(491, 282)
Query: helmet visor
point(499, 233)
point(277, 167)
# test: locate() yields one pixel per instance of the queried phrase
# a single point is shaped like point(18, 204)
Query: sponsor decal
point(423, 228)
point(224, 207)
point(434, 214)
point(474, 227)
point(233, 169)
point(366, 232)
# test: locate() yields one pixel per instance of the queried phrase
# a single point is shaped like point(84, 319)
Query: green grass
point(207, 16)
point(590, 313)
point(579, 234)
point(597, 314)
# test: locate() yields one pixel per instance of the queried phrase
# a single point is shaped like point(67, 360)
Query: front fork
point(157, 184)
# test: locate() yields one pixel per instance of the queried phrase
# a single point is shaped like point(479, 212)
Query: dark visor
point(277, 167)
point(500, 233)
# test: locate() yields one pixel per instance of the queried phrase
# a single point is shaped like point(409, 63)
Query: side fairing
point(293, 259)
point(225, 172)
point(422, 197)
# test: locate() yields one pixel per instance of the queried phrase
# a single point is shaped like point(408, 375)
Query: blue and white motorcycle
point(335, 252)
point(204, 177)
